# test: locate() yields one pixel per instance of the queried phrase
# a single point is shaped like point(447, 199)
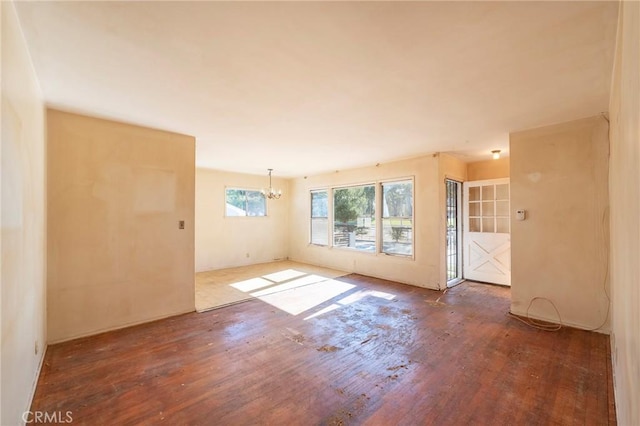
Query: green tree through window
point(354, 217)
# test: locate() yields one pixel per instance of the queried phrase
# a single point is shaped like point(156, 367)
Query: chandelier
point(271, 193)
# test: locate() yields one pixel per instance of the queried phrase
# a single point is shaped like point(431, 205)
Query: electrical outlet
point(247, 255)
point(181, 224)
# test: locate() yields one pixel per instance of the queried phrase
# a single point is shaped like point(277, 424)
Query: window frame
point(329, 192)
point(381, 183)
point(376, 218)
point(378, 200)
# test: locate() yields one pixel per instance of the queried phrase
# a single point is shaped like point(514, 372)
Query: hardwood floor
point(379, 353)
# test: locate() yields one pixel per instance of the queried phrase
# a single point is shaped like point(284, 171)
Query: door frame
point(459, 231)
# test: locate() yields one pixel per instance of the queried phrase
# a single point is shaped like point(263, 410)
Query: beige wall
point(223, 242)
point(115, 254)
point(624, 175)
point(559, 176)
point(426, 268)
point(488, 169)
point(23, 224)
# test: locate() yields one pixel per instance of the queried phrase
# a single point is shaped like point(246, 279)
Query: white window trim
point(377, 184)
point(411, 256)
point(329, 220)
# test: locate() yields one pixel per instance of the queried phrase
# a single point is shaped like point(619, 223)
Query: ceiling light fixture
point(271, 193)
point(496, 154)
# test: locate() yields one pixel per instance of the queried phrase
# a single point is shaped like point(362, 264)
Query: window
point(373, 218)
point(354, 218)
point(319, 217)
point(397, 217)
point(245, 202)
point(489, 208)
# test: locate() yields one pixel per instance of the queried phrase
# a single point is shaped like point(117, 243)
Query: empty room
point(334, 213)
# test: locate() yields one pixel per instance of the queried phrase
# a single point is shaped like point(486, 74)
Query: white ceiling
point(311, 87)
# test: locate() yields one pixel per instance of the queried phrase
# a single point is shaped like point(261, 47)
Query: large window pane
point(245, 202)
point(354, 218)
point(397, 218)
point(319, 218)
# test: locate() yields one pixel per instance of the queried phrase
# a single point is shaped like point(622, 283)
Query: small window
point(397, 218)
point(245, 202)
point(319, 217)
point(354, 223)
point(488, 208)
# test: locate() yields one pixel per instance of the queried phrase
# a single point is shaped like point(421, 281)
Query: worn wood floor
point(379, 353)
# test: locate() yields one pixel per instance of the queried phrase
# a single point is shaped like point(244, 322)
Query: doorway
point(453, 240)
point(487, 237)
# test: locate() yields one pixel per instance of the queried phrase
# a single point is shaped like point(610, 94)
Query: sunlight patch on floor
point(299, 299)
point(295, 291)
point(251, 284)
point(286, 275)
point(289, 286)
point(352, 298)
point(305, 280)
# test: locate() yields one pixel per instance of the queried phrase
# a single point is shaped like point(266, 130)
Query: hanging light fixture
point(271, 193)
point(496, 154)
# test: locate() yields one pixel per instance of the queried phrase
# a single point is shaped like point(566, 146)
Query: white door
point(486, 236)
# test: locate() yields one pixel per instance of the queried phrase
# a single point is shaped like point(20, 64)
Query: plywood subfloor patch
point(215, 289)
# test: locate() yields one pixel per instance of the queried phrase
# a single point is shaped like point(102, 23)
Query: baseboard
point(613, 396)
point(34, 384)
point(388, 278)
point(120, 327)
point(572, 324)
point(241, 265)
